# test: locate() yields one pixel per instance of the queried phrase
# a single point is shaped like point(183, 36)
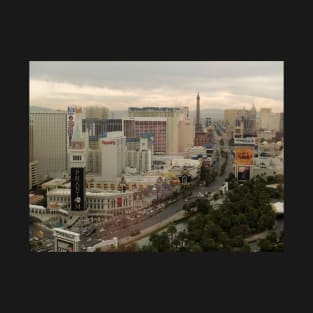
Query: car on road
point(101, 230)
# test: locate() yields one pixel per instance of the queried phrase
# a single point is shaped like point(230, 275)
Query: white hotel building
point(113, 155)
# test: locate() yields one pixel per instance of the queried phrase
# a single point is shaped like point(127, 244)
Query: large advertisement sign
point(244, 155)
point(78, 189)
point(64, 246)
point(243, 172)
point(70, 124)
point(73, 118)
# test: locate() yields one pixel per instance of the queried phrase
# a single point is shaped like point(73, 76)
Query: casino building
point(100, 204)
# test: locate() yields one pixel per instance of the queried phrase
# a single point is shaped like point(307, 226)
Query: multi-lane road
point(166, 213)
point(178, 205)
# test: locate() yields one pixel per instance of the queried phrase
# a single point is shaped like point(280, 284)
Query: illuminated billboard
point(243, 173)
point(244, 155)
point(78, 188)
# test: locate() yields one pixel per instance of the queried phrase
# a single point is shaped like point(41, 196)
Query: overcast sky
point(120, 84)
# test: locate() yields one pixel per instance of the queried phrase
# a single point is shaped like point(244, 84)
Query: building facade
point(139, 126)
point(96, 112)
point(173, 115)
point(113, 155)
point(106, 204)
point(97, 128)
point(185, 134)
point(49, 142)
point(34, 174)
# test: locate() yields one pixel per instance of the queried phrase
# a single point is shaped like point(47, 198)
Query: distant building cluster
point(97, 168)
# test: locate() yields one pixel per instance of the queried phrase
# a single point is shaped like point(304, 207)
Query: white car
point(101, 230)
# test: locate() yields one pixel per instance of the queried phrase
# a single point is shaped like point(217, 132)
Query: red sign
point(119, 201)
point(112, 142)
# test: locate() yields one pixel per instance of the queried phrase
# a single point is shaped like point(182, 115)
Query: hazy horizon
point(118, 85)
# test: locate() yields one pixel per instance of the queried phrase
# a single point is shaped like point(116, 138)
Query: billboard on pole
point(244, 155)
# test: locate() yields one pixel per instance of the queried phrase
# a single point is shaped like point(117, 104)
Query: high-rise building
point(97, 112)
point(185, 134)
point(49, 142)
point(245, 123)
point(157, 126)
point(34, 167)
point(34, 174)
point(97, 128)
point(173, 115)
point(113, 155)
point(269, 120)
point(139, 153)
point(230, 116)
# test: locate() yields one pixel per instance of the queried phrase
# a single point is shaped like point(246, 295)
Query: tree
point(237, 241)
point(225, 222)
point(265, 245)
point(171, 230)
point(194, 247)
point(215, 197)
point(203, 205)
point(280, 247)
point(245, 248)
point(161, 242)
point(272, 237)
point(222, 142)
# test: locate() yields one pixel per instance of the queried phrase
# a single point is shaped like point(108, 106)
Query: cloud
point(119, 85)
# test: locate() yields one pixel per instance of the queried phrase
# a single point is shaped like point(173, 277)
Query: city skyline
point(118, 85)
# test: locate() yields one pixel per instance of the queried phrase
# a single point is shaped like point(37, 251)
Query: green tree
point(279, 247)
point(203, 205)
point(161, 242)
point(171, 230)
point(272, 237)
point(194, 247)
point(245, 248)
point(266, 245)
